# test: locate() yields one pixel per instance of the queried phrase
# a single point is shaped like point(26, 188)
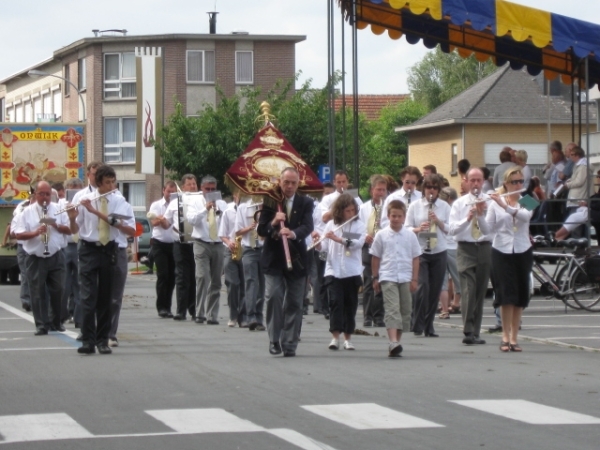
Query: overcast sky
point(34, 29)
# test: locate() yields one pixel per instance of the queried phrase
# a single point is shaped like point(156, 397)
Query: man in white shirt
point(98, 250)
point(473, 256)
point(341, 183)
point(409, 176)
point(205, 217)
point(162, 247)
point(45, 261)
point(370, 215)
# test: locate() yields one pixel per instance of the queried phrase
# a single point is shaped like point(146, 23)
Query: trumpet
point(68, 208)
point(322, 238)
point(479, 200)
point(44, 237)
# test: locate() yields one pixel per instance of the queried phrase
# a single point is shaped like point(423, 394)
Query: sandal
point(454, 309)
point(515, 348)
point(444, 315)
point(505, 346)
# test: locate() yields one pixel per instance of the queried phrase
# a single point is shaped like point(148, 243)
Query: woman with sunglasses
point(512, 255)
point(429, 219)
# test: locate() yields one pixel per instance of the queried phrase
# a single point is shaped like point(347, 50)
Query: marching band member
point(205, 217)
point(370, 215)
point(24, 293)
point(254, 279)
point(233, 268)
point(320, 297)
point(45, 261)
point(183, 254)
point(343, 268)
point(407, 194)
point(341, 182)
point(430, 216)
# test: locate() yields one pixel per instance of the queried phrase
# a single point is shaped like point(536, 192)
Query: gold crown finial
point(265, 116)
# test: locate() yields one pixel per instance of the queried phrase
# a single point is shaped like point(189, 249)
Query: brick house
point(371, 104)
point(103, 67)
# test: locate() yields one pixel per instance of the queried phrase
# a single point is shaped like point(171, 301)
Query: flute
point(78, 204)
point(322, 238)
point(501, 195)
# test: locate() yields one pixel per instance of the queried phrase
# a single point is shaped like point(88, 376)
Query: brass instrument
point(427, 248)
point(378, 211)
point(45, 236)
point(78, 204)
point(236, 254)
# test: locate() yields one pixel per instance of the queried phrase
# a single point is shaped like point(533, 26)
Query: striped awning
point(505, 31)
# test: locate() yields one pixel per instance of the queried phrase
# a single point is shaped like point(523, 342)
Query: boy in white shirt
point(395, 266)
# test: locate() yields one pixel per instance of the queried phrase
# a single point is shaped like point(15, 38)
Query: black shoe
point(252, 325)
point(326, 316)
point(468, 340)
point(40, 332)
point(178, 317)
point(59, 328)
point(163, 313)
point(79, 337)
point(274, 348)
point(367, 323)
point(199, 320)
point(418, 333)
point(316, 311)
point(104, 349)
point(431, 335)
point(380, 324)
point(478, 341)
point(495, 329)
point(26, 307)
point(261, 327)
point(86, 349)
point(169, 315)
point(148, 272)
point(289, 353)
point(212, 322)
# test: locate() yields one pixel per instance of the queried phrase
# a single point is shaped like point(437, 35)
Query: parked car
point(144, 239)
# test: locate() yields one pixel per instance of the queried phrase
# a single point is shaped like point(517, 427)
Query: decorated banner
point(33, 152)
point(149, 80)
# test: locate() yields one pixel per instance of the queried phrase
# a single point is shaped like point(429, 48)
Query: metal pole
point(355, 93)
point(343, 91)
point(590, 178)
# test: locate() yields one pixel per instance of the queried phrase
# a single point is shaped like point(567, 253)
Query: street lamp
point(40, 73)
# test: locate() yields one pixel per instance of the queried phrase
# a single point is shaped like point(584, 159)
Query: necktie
point(371, 222)
point(289, 209)
point(432, 229)
point(75, 237)
point(475, 231)
point(252, 238)
point(212, 224)
point(103, 227)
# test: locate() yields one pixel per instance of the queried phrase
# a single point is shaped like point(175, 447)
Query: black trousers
point(372, 303)
point(185, 278)
point(343, 303)
point(432, 270)
point(165, 274)
point(46, 280)
point(96, 268)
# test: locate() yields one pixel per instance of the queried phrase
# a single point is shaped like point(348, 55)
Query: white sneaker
point(395, 349)
point(334, 344)
point(348, 345)
point(231, 323)
point(113, 343)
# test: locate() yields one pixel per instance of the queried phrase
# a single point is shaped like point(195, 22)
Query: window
point(81, 75)
point(3, 115)
point(28, 112)
point(135, 194)
point(119, 140)
point(19, 113)
point(10, 114)
point(244, 68)
point(200, 66)
point(454, 166)
point(47, 103)
point(37, 108)
point(57, 101)
point(68, 81)
point(119, 75)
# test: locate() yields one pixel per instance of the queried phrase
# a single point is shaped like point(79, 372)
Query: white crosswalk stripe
point(40, 427)
point(369, 416)
point(529, 412)
point(193, 421)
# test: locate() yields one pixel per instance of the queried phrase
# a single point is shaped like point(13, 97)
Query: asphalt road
point(182, 385)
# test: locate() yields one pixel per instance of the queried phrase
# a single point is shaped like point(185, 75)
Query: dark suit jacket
point(301, 223)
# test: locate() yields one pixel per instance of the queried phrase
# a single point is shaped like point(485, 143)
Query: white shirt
point(197, 216)
point(62, 204)
point(172, 216)
point(122, 237)
point(244, 218)
point(227, 226)
point(396, 251)
point(365, 213)
point(88, 222)
point(401, 195)
point(460, 227)
point(327, 202)
point(159, 208)
point(502, 222)
point(79, 195)
point(340, 265)
point(418, 212)
point(319, 225)
point(29, 220)
point(16, 213)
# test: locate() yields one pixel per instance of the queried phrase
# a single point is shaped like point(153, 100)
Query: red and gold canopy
point(257, 170)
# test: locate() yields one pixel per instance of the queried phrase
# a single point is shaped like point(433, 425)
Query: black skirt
point(511, 274)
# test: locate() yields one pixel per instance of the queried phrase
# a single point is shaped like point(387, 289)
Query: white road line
point(369, 416)
point(29, 318)
point(34, 349)
point(529, 412)
point(20, 331)
point(576, 337)
point(210, 420)
point(298, 439)
point(560, 326)
point(40, 427)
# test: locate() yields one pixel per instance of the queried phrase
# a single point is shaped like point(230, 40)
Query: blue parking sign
point(324, 173)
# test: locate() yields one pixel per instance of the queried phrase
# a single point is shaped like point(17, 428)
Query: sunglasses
point(437, 188)
point(513, 182)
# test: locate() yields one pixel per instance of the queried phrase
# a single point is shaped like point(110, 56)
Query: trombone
point(68, 208)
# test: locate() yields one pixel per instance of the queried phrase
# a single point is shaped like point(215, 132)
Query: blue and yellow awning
point(505, 31)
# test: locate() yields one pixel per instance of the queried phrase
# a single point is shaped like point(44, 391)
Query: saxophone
point(236, 254)
point(44, 236)
point(378, 211)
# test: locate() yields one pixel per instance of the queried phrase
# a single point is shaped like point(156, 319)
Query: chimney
point(212, 22)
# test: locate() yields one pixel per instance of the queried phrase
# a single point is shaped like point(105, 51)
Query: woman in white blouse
point(343, 268)
point(512, 256)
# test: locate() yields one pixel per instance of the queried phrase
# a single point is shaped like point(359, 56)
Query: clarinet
point(428, 244)
point(45, 235)
point(409, 192)
point(181, 223)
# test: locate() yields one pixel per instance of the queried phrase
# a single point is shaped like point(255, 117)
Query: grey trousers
point(255, 285)
point(46, 276)
point(234, 280)
point(284, 309)
point(118, 287)
point(474, 263)
point(21, 256)
point(432, 270)
point(209, 267)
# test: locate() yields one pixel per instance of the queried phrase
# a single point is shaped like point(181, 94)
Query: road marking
point(40, 427)
point(529, 412)
point(298, 439)
point(34, 349)
point(369, 416)
point(30, 319)
point(210, 420)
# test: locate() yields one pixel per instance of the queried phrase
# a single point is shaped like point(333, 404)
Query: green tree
point(440, 76)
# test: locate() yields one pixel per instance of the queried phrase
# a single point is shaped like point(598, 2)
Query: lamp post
point(40, 73)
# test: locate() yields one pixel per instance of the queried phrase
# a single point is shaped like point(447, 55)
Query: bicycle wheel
point(564, 284)
point(585, 293)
